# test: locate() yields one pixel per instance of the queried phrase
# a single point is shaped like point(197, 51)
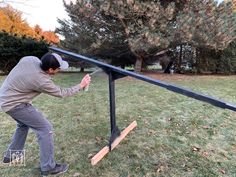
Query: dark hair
point(49, 61)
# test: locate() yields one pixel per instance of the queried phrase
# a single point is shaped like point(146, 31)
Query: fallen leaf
point(160, 169)
point(90, 155)
point(98, 138)
point(196, 149)
point(205, 127)
point(76, 174)
point(222, 171)
point(205, 154)
point(150, 132)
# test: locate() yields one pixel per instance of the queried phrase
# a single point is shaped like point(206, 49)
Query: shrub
point(13, 48)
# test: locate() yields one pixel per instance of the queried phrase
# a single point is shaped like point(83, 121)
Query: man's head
point(51, 63)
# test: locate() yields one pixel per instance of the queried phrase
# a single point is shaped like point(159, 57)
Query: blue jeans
point(27, 117)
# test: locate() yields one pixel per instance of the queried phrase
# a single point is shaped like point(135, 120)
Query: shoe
point(58, 169)
point(6, 160)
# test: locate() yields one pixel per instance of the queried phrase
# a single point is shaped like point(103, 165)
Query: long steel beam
point(168, 86)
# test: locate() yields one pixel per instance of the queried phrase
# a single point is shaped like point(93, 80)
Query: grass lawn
point(176, 135)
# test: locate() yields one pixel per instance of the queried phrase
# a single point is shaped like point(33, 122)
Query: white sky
point(42, 12)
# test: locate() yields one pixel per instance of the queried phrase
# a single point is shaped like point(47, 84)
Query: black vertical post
point(115, 132)
point(112, 101)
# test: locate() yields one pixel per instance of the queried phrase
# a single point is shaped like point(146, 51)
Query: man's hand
point(85, 81)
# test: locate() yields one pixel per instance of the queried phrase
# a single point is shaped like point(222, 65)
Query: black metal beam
point(115, 132)
point(168, 86)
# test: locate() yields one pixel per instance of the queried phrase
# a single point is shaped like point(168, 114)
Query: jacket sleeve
point(50, 88)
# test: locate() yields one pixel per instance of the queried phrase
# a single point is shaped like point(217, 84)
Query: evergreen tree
point(93, 33)
point(149, 26)
point(13, 48)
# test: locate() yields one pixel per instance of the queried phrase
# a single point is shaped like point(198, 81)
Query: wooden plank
point(105, 150)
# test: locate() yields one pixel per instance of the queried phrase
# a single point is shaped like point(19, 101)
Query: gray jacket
point(26, 81)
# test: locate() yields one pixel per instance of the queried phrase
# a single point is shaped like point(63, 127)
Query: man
point(28, 79)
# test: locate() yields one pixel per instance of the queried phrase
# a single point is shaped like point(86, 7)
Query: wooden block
point(105, 150)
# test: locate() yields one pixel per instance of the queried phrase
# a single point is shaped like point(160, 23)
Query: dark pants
point(27, 117)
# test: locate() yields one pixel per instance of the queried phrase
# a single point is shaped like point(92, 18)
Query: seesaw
point(115, 73)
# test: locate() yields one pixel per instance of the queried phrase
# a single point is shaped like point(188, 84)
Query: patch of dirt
point(178, 77)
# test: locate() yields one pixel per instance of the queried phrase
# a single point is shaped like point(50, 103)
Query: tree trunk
point(82, 70)
point(138, 64)
point(198, 60)
point(180, 58)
